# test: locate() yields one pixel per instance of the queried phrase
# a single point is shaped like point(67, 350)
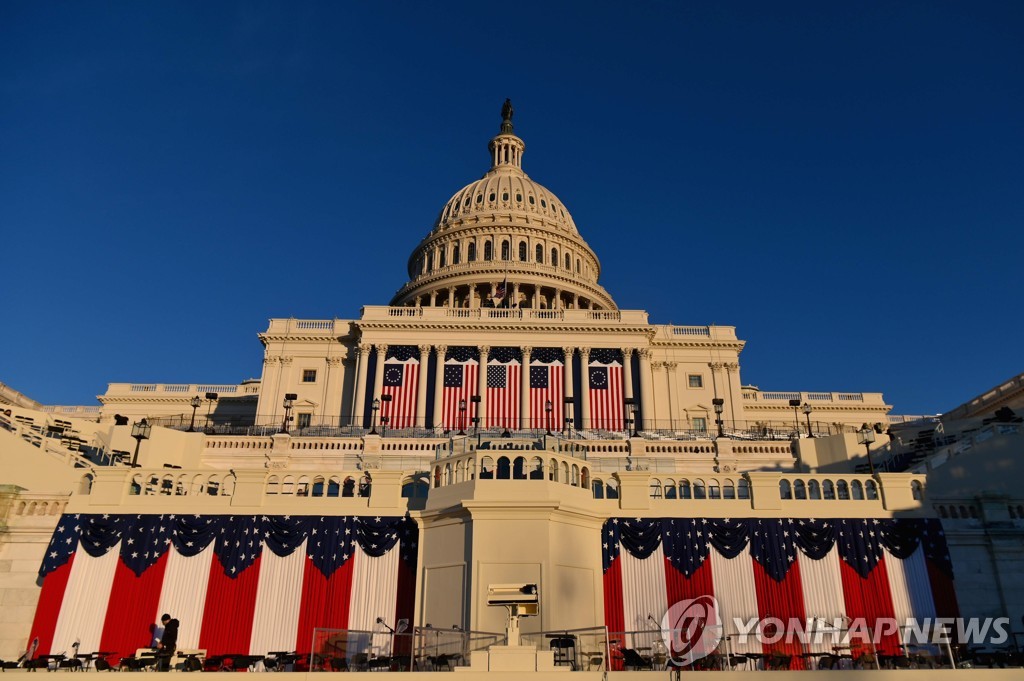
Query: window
point(305, 419)
point(695, 381)
point(577, 265)
point(505, 255)
point(504, 196)
point(568, 262)
point(442, 257)
point(430, 261)
point(522, 251)
point(540, 253)
point(554, 257)
point(471, 252)
point(309, 375)
point(491, 197)
point(487, 251)
point(531, 199)
point(455, 254)
point(700, 423)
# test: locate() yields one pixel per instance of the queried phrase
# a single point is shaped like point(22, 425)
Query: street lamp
point(632, 407)
point(719, 405)
point(373, 420)
point(568, 415)
point(195, 402)
point(807, 413)
point(475, 399)
point(462, 417)
point(210, 398)
point(548, 408)
point(385, 419)
point(865, 436)
point(796, 417)
point(384, 425)
point(140, 431)
point(289, 402)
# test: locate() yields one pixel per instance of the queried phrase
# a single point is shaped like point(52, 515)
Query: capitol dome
point(502, 228)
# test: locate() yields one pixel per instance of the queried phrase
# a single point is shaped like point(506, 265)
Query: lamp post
point(289, 402)
point(210, 399)
point(568, 416)
point(475, 399)
point(633, 407)
point(807, 413)
point(385, 419)
point(719, 404)
point(796, 417)
point(462, 417)
point(373, 419)
point(384, 425)
point(865, 436)
point(195, 402)
point(548, 408)
point(140, 431)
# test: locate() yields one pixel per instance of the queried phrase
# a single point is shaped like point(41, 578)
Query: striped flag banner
point(237, 584)
point(606, 392)
point(401, 376)
point(461, 367)
point(793, 570)
point(547, 372)
point(503, 382)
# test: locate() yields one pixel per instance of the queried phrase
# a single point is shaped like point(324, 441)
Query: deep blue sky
point(840, 181)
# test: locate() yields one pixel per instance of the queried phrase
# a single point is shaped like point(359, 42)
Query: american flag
point(503, 371)
point(461, 365)
point(606, 398)
point(547, 369)
point(401, 374)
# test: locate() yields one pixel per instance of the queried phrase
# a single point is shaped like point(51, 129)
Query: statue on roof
point(506, 116)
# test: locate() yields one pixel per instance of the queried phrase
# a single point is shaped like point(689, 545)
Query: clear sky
point(840, 181)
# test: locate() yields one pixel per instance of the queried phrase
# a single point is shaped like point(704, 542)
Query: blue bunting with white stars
point(238, 540)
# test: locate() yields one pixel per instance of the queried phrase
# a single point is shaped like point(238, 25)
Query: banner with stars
point(786, 568)
point(607, 401)
point(238, 584)
point(401, 380)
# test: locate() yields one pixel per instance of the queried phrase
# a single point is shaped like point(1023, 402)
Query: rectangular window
point(695, 381)
point(309, 375)
point(304, 420)
point(700, 423)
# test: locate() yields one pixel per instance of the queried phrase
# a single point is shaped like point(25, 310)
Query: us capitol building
point(500, 422)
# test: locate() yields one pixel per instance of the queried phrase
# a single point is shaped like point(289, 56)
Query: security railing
point(422, 649)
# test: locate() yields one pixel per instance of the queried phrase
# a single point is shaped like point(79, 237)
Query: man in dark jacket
point(168, 643)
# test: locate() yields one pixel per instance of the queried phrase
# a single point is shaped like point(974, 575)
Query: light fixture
point(866, 436)
point(807, 413)
point(719, 405)
point(289, 402)
point(462, 417)
point(548, 409)
point(140, 431)
point(796, 417)
point(196, 402)
point(373, 420)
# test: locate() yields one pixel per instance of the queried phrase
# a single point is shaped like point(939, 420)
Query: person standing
point(168, 643)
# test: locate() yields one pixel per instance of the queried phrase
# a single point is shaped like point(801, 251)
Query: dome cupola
point(504, 240)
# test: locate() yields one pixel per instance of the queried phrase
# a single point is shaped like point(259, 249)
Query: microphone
point(380, 620)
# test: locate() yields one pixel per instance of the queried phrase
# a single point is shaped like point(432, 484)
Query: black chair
point(632, 658)
point(564, 648)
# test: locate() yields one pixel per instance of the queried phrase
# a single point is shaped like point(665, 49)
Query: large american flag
point(461, 364)
point(547, 371)
point(401, 374)
point(503, 371)
point(606, 398)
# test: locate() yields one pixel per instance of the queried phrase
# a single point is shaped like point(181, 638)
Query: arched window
point(504, 468)
point(554, 257)
point(670, 489)
point(430, 261)
point(455, 254)
point(828, 490)
point(871, 489)
point(487, 250)
point(813, 490)
point(728, 490)
point(334, 487)
point(568, 262)
point(857, 490)
point(611, 489)
point(799, 490)
point(519, 468)
point(540, 253)
point(522, 251)
point(743, 489)
point(917, 489)
point(655, 488)
point(442, 257)
point(437, 476)
point(784, 490)
point(953, 513)
point(447, 474)
point(486, 468)
point(537, 468)
point(575, 476)
point(942, 512)
point(684, 490)
point(505, 250)
point(471, 252)
point(585, 477)
point(553, 471)
point(577, 265)
point(842, 490)
point(598, 489)
point(699, 491)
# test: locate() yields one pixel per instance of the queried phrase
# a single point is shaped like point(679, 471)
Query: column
point(568, 383)
point(673, 396)
point(330, 402)
point(524, 390)
point(515, 294)
point(646, 389)
point(421, 388)
point(439, 353)
point(575, 301)
point(627, 372)
point(732, 369)
point(585, 388)
point(378, 375)
point(481, 385)
point(358, 398)
point(451, 297)
point(269, 391)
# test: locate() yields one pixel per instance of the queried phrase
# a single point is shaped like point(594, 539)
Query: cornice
point(140, 398)
point(517, 327)
point(720, 344)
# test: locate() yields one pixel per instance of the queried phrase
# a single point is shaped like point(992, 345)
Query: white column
point(732, 379)
point(568, 382)
point(646, 389)
point(358, 398)
point(481, 385)
point(421, 388)
point(585, 388)
point(331, 401)
point(524, 390)
point(673, 396)
point(378, 374)
point(627, 372)
point(439, 353)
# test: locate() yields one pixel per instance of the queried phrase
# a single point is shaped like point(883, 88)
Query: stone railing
point(444, 314)
point(783, 398)
point(181, 389)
